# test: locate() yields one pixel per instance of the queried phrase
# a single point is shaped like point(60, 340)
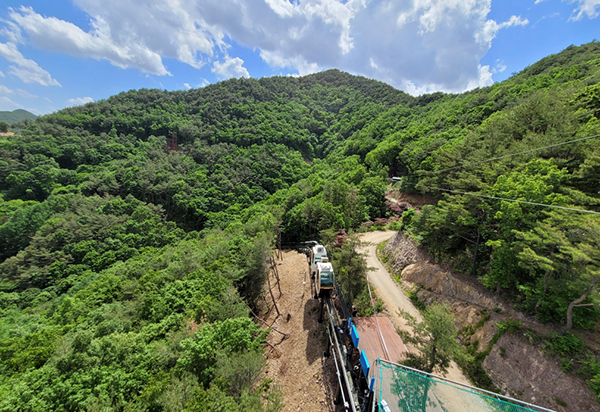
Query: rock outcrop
point(437, 280)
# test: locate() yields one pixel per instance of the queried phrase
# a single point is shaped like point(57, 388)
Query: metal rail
point(337, 370)
point(348, 384)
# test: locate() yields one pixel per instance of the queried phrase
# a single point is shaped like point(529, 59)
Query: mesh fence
point(405, 390)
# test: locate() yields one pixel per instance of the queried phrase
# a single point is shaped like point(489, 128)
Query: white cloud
point(413, 44)
point(78, 101)
point(52, 34)
point(2, 74)
point(499, 67)
point(230, 67)
point(187, 86)
point(589, 8)
point(24, 93)
point(5, 90)
point(484, 79)
point(410, 88)
point(27, 70)
point(277, 59)
point(6, 104)
point(11, 31)
point(283, 8)
point(491, 28)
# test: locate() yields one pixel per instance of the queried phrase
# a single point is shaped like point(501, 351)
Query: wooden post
point(280, 252)
point(272, 296)
point(276, 272)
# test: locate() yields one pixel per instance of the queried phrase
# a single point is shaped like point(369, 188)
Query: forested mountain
point(128, 270)
point(16, 116)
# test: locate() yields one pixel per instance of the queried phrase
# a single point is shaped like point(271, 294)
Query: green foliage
point(413, 296)
point(435, 338)
point(230, 337)
point(240, 371)
point(126, 271)
point(16, 116)
point(519, 249)
point(591, 371)
point(104, 338)
point(567, 344)
point(351, 270)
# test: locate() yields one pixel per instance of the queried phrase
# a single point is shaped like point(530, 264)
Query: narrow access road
point(393, 297)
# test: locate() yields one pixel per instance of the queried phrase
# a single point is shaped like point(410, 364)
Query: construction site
point(326, 359)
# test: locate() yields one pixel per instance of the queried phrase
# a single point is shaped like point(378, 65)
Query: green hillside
point(16, 116)
point(113, 247)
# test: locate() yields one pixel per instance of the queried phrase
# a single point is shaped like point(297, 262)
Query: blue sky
point(55, 54)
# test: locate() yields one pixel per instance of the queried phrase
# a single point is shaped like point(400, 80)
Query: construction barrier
point(400, 388)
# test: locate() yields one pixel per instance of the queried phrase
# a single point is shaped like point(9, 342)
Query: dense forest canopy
point(128, 270)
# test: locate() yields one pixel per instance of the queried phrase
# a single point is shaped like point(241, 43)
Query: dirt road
point(392, 295)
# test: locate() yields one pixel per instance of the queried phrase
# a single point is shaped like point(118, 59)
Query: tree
point(348, 263)
point(539, 181)
point(435, 339)
point(3, 127)
point(562, 254)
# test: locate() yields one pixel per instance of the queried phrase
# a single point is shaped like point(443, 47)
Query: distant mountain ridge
point(16, 116)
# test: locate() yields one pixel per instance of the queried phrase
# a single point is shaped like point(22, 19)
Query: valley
point(136, 236)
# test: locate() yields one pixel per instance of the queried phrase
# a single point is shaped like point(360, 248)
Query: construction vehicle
point(321, 270)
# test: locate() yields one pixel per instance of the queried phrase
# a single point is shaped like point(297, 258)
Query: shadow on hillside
point(315, 341)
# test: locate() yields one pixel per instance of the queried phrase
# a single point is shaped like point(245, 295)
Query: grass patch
point(380, 255)
point(560, 402)
point(412, 295)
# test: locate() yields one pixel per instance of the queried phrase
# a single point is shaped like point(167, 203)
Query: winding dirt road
point(392, 295)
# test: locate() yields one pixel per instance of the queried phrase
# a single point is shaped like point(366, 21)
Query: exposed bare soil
point(296, 362)
point(515, 364)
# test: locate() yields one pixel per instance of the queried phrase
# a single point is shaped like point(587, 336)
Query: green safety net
point(405, 390)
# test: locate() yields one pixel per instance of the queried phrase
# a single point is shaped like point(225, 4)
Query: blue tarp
point(354, 335)
point(364, 363)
